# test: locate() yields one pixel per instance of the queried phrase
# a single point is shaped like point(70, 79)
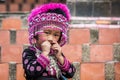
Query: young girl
point(44, 59)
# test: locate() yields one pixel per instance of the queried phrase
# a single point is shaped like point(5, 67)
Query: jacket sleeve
point(33, 65)
point(67, 68)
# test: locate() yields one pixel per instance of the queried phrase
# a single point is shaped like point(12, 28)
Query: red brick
point(18, 1)
point(42, 1)
point(92, 71)
point(117, 71)
point(30, 1)
point(79, 36)
point(54, 1)
point(101, 53)
point(73, 52)
point(20, 72)
point(2, 8)
point(6, 39)
point(8, 1)
point(14, 7)
point(103, 22)
point(11, 23)
point(36, 5)
point(11, 53)
point(22, 37)
point(108, 36)
point(119, 36)
point(26, 7)
point(4, 71)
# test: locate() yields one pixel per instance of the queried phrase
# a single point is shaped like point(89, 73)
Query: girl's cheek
point(42, 37)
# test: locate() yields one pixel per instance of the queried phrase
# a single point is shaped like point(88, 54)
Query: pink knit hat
point(52, 13)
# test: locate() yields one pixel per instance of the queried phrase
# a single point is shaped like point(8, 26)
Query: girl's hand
point(45, 46)
point(58, 52)
point(57, 49)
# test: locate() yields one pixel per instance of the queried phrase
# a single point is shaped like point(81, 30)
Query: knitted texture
point(40, 18)
point(51, 6)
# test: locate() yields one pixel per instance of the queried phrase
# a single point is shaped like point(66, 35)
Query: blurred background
point(93, 44)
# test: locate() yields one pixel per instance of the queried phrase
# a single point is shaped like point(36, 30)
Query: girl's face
point(50, 34)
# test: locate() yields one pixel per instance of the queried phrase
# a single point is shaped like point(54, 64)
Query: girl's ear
point(33, 41)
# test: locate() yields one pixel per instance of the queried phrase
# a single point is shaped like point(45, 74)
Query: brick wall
point(94, 8)
point(15, 6)
point(96, 49)
point(93, 45)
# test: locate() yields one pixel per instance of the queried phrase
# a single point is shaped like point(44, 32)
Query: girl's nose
point(50, 39)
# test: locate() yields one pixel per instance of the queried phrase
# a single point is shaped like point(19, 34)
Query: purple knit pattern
point(65, 66)
point(38, 19)
point(43, 60)
point(51, 6)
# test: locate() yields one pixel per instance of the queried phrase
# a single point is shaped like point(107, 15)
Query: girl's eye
point(56, 35)
point(47, 32)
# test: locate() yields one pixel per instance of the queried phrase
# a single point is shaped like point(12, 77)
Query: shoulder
point(28, 51)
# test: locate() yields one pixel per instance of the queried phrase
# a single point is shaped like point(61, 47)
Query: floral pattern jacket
point(35, 67)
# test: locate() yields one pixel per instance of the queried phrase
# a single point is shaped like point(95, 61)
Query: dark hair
point(36, 37)
point(58, 11)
